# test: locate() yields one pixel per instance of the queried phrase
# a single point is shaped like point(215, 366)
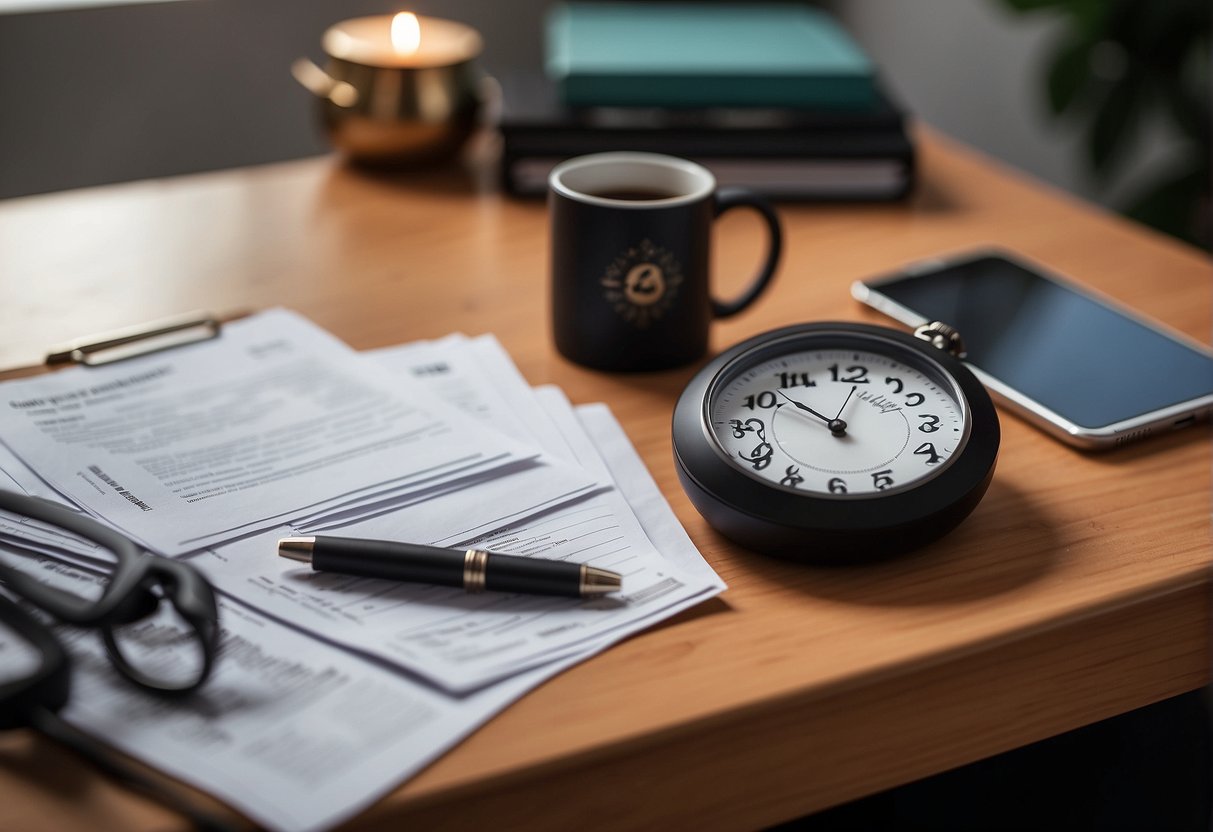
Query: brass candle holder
point(396, 89)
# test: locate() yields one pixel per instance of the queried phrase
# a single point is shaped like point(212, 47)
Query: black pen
point(474, 570)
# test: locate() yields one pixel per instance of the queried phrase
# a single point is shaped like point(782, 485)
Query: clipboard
point(128, 342)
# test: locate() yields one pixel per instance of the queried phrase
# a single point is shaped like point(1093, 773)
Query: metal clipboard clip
point(108, 347)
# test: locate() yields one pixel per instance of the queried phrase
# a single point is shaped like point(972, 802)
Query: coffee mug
point(630, 255)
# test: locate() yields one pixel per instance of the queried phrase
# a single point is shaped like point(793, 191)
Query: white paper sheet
point(603, 437)
point(456, 640)
point(294, 733)
point(451, 370)
point(300, 735)
point(274, 420)
point(19, 477)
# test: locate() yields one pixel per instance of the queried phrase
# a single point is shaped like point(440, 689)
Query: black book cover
point(788, 154)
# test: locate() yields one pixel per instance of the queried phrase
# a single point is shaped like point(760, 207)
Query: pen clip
point(121, 344)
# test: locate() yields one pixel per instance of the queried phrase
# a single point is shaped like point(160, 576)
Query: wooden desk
point(1078, 590)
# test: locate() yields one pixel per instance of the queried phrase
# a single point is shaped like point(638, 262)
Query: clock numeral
point(915, 399)
point(837, 486)
point(930, 425)
point(898, 384)
point(766, 400)
point(740, 429)
point(760, 457)
point(787, 380)
point(928, 450)
point(881, 480)
point(858, 374)
point(792, 477)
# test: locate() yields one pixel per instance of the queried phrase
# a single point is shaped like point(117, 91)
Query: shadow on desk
point(473, 171)
point(1150, 769)
point(970, 563)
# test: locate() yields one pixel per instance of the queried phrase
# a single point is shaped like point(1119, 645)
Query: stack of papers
point(331, 690)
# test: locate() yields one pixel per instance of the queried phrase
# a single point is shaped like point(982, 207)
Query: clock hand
point(847, 399)
point(804, 407)
point(837, 426)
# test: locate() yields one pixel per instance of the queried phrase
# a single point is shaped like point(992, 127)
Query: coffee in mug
point(630, 245)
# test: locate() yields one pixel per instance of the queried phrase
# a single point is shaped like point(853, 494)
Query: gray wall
point(976, 71)
point(128, 92)
point(109, 94)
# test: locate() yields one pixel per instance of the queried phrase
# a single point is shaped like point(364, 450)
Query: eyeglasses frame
point(127, 596)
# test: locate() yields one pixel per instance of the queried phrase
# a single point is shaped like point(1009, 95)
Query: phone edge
point(1161, 420)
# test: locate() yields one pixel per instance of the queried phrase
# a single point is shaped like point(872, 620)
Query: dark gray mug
point(630, 259)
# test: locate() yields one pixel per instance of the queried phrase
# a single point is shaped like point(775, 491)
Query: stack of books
point(774, 97)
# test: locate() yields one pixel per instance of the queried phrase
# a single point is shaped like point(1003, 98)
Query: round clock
point(834, 442)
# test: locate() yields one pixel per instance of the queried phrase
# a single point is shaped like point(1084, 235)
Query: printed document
point(274, 420)
point(457, 640)
point(304, 724)
point(296, 734)
point(300, 735)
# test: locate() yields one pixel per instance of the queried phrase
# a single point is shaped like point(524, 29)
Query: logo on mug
point(642, 282)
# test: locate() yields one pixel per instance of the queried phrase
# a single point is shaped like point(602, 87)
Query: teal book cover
point(705, 55)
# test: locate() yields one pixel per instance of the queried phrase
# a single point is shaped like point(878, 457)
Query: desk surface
point(1079, 588)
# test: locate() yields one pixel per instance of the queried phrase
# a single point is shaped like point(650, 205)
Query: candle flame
point(406, 33)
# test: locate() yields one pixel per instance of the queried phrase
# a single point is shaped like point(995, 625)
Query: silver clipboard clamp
point(120, 344)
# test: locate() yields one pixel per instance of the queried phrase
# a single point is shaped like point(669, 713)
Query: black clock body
point(823, 527)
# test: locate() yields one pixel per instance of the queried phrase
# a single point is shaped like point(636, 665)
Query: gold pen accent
point(595, 581)
point(475, 570)
point(297, 548)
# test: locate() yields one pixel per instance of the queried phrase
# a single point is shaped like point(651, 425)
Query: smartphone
point(1090, 373)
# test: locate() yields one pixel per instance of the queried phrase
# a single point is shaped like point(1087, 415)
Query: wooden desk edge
point(1095, 672)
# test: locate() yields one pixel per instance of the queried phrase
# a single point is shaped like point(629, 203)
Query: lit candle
point(397, 89)
point(403, 41)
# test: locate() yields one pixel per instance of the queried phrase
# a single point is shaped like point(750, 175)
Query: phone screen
point(1082, 359)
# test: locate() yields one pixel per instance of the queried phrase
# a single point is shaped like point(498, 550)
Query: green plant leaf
point(1033, 5)
point(1175, 205)
point(1091, 16)
point(1068, 75)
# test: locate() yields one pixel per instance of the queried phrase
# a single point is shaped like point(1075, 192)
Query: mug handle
point(725, 199)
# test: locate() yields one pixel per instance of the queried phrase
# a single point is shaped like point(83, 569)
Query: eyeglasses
point(130, 589)
point(158, 619)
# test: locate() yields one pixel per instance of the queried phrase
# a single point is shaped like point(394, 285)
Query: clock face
point(836, 442)
point(838, 422)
